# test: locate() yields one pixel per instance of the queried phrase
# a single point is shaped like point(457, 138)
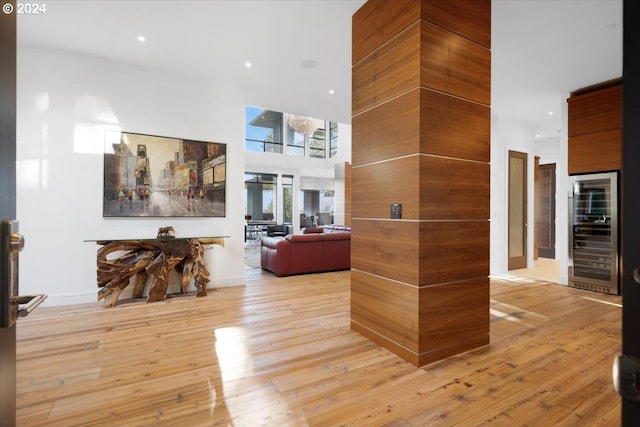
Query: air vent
point(591, 287)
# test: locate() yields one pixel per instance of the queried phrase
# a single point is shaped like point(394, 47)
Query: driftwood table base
point(154, 258)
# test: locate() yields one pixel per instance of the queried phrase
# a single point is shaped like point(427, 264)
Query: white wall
point(511, 134)
point(66, 101)
point(507, 134)
point(64, 104)
point(551, 151)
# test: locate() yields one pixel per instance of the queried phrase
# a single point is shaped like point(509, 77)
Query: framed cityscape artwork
point(157, 176)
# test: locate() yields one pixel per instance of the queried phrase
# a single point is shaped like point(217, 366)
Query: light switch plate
point(396, 211)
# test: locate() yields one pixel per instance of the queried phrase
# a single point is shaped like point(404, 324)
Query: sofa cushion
point(307, 253)
point(337, 236)
point(337, 229)
point(337, 251)
point(275, 255)
point(310, 230)
point(313, 237)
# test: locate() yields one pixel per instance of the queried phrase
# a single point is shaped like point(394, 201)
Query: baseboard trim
point(89, 297)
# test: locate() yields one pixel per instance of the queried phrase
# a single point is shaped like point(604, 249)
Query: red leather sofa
point(307, 253)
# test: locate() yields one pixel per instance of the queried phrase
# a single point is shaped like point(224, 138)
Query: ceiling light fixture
point(142, 39)
point(309, 64)
point(302, 124)
point(247, 64)
point(331, 91)
point(550, 113)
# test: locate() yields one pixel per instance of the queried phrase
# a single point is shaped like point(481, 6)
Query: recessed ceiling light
point(550, 113)
point(331, 91)
point(142, 39)
point(537, 135)
point(247, 64)
point(309, 64)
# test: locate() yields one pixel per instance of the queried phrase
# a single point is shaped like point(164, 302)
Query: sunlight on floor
point(545, 269)
point(603, 302)
point(513, 313)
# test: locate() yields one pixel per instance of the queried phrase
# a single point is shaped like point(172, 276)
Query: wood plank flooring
point(279, 352)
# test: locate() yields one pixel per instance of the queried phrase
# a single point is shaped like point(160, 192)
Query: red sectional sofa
point(329, 250)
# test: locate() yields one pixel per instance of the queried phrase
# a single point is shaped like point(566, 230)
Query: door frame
point(629, 202)
point(8, 198)
point(518, 191)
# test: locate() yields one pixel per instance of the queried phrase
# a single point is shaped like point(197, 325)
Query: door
point(7, 198)
point(545, 216)
point(517, 203)
point(630, 204)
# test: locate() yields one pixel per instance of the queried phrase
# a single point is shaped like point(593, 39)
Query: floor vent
point(594, 288)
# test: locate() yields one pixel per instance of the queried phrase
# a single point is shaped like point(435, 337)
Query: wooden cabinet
point(595, 129)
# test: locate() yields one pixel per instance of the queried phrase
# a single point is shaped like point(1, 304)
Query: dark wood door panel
point(545, 227)
point(7, 200)
point(630, 202)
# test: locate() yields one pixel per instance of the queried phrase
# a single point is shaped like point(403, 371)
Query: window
point(295, 135)
point(317, 142)
point(263, 130)
point(316, 207)
point(287, 199)
point(260, 196)
point(333, 139)
point(290, 134)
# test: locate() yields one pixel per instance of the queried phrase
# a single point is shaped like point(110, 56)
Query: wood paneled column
point(421, 137)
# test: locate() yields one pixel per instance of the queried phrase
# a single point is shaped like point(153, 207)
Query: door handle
point(28, 303)
point(626, 377)
point(12, 304)
point(636, 275)
point(16, 243)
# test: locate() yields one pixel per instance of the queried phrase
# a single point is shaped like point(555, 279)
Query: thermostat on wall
point(396, 211)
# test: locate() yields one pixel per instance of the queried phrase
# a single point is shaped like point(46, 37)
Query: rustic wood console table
point(155, 258)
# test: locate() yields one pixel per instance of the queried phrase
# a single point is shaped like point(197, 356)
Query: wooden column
point(421, 137)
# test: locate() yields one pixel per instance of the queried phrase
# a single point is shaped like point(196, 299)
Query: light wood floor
point(543, 269)
point(279, 352)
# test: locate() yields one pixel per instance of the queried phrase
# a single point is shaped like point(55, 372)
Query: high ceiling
point(544, 49)
point(301, 49)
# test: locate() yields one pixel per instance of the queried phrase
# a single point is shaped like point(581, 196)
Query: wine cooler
point(593, 232)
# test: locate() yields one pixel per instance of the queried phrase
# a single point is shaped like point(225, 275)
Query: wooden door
point(545, 211)
point(517, 204)
point(7, 199)
point(630, 223)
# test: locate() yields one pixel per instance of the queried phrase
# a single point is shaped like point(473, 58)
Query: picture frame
point(158, 176)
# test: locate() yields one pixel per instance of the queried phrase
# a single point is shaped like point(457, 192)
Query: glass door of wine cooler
point(593, 232)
